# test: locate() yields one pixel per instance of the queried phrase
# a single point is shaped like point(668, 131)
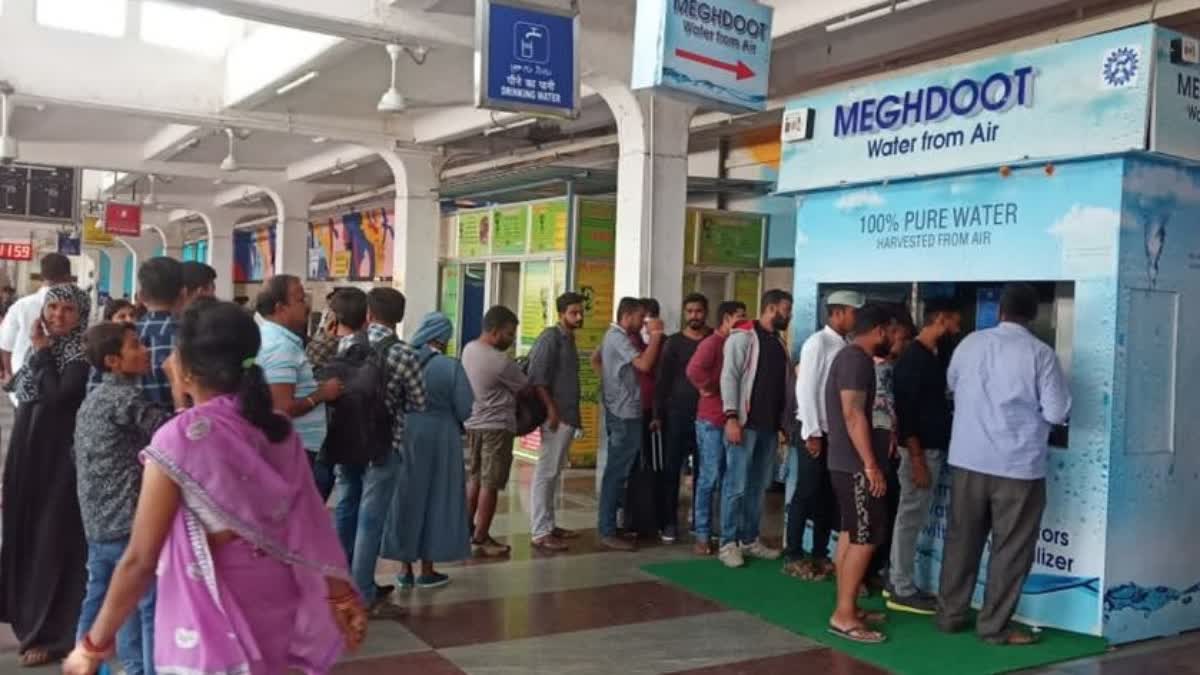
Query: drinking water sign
point(526, 58)
point(714, 52)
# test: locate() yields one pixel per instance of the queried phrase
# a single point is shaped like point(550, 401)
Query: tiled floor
point(589, 611)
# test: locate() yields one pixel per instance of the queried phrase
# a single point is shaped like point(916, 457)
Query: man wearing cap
point(808, 474)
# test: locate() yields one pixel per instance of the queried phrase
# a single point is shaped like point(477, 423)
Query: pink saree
point(257, 605)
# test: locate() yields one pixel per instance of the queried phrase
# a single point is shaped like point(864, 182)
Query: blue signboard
point(714, 52)
point(1176, 128)
point(526, 59)
point(1085, 98)
point(68, 243)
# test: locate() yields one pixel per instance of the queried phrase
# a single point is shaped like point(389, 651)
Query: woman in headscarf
point(43, 553)
point(427, 521)
point(251, 578)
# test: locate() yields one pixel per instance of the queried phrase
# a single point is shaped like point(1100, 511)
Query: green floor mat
point(914, 646)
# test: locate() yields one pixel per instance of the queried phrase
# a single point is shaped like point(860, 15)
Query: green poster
point(549, 229)
point(536, 301)
point(745, 289)
point(689, 238)
point(474, 231)
point(730, 239)
point(597, 229)
point(511, 230)
point(448, 305)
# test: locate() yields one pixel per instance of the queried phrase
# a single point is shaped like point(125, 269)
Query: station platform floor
point(591, 612)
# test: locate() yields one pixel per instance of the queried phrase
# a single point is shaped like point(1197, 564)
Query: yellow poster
point(341, 264)
point(746, 289)
point(595, 282)
point(549, 231)
point(93, 234)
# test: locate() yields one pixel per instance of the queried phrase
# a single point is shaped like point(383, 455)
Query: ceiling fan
point(393, 101)
point(231, 164)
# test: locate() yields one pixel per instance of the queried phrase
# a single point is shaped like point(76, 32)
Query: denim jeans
point(322, 474)
point(364, 494)
point(710, 439)
point(747, 474)
point(135, 640)
point(624, 447)
point(912, 514)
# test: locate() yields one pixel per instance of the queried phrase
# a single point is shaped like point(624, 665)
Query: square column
point(652, 174)
point(291, 201)
point(416, 229)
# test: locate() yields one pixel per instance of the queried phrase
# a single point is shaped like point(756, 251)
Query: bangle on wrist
point(312, 402)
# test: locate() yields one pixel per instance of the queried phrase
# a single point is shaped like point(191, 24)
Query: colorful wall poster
point(450, 300)
point(474, 233)
point(328, 239)
point(253, 254)
point(597, 228)
point(1089, 97)
point(373, 243)
point(729, 239)
point(511, 230)
point(548, 228)
point(1151, 581)
point(984, 227)
point(537, 301)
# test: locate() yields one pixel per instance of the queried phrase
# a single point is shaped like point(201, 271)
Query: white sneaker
point(731, 556)
point(761, 551)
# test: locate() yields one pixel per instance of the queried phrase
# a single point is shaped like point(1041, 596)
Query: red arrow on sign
point(741, 70)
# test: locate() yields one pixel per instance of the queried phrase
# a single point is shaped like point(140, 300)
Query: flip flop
point(1013, 638)
point(35, 658)
point(872, 618)
point(860, 634)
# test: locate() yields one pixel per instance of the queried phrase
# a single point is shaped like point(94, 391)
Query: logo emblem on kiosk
point(1122, 67)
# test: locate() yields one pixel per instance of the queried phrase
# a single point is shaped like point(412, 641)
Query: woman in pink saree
point(251, 577)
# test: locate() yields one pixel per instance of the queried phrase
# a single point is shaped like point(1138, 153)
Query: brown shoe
point(617, 544)
point(383, 610)
point(562, 533)
point(549, 543)
point(702, 548)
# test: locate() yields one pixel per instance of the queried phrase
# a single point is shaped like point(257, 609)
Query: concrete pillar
point(652, 174)
point(291, 227)
point(218, 223)
point(417, 228)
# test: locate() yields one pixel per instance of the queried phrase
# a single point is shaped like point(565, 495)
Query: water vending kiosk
point(1071, 167)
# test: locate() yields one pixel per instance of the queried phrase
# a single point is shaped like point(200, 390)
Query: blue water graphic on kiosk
point(1147, 600)
point(674, 78)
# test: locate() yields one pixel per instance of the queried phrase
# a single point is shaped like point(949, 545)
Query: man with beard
point(675, 401)
point(856, 468)
point(554, 373)
point(756, 395)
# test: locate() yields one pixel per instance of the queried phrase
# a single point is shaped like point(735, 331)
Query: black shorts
point(863, 516)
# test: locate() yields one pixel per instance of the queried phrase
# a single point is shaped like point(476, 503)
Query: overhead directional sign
point(526, 58)
point(713, 52)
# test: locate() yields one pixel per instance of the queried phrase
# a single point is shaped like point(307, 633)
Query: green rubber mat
point(914, 646)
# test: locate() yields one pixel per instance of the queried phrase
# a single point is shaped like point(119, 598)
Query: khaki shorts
point(491, 456)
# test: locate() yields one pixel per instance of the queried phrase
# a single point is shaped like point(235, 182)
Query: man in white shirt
point(809, 491)
point(17, 327)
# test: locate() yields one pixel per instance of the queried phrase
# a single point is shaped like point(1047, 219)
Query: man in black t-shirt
point(856, 468)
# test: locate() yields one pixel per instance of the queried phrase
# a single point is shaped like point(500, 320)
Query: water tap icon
point(532, 42)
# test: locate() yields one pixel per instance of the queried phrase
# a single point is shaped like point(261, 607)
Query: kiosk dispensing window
point(980, 305)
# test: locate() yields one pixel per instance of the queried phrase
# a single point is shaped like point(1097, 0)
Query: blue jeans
point(135, 640)
point(710, 439)
point(364, 495)
point(624, 447)
point(747, 473)
point(322, 474)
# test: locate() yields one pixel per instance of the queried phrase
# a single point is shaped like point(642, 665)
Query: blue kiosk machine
point(1072, 167)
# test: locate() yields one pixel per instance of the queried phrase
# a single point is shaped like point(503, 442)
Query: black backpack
point(360, 424)
point(531, 412)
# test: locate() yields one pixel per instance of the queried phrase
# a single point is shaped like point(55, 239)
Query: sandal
point(872, 618)
point(35, 657)
point(860, 634)
point(803, 570)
